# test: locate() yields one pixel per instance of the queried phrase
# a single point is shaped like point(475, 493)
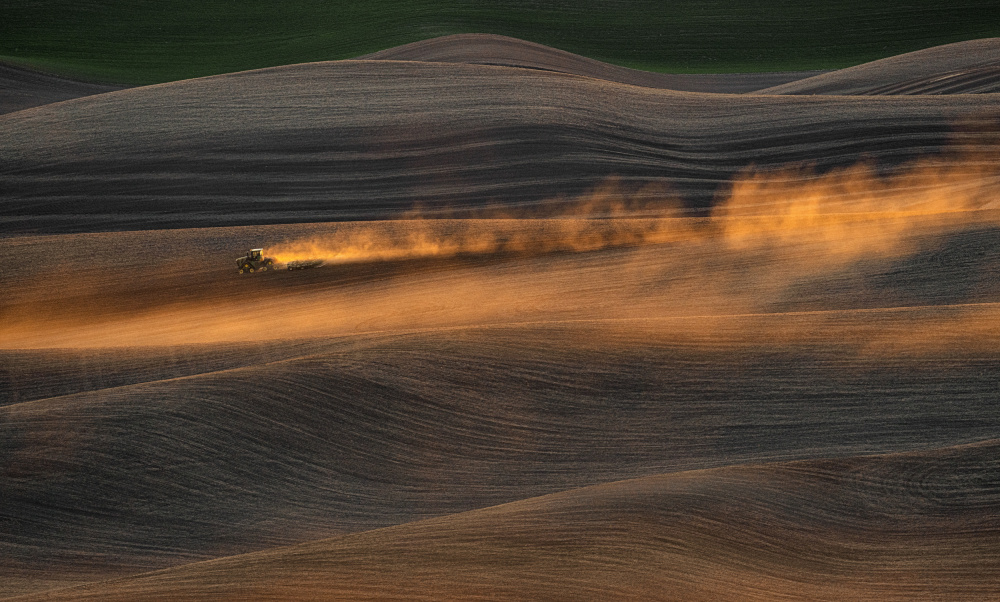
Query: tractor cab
point(254, 254)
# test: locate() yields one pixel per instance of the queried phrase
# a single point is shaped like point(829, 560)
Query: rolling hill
point(367, 139)
point(575, 331)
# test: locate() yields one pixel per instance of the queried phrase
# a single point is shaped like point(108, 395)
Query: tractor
point(254, 261)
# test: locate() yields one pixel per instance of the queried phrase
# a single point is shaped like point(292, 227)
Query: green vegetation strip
point(149, 41)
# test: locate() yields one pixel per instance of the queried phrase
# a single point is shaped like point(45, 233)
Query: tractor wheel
point(263, 268)
point(241, 270)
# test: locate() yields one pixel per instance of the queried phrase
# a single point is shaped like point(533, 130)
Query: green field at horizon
point(144, 42)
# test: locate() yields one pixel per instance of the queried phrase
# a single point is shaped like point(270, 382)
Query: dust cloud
point(606, 217)
point(620, 262)
point(850, 212)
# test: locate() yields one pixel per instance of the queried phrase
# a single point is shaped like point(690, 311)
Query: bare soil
point(579, 385)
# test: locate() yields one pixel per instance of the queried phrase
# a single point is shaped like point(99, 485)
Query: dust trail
point(852, 212)
point(782, 241)
point(607, 217)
